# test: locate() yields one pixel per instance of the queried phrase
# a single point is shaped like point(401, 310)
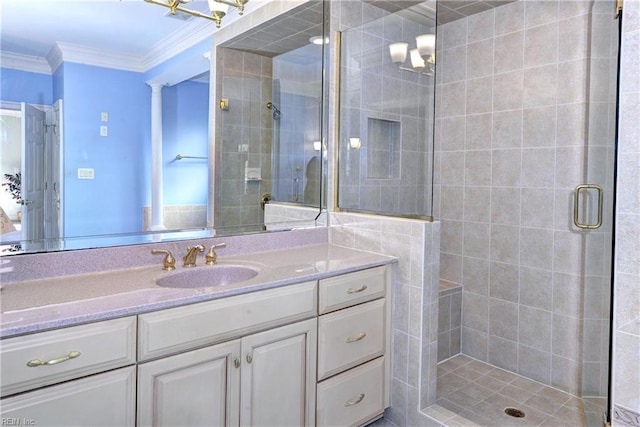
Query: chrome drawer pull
point(37, 362)
point(354, 401)
point(360, 336)
point(355, 291)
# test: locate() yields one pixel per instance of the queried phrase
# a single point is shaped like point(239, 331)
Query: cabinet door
point(197, 388)
point(278, 376)
point(100, 400)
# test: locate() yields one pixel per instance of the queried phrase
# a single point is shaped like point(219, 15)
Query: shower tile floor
point(474, 393)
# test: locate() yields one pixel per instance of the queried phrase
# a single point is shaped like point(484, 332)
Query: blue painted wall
point(185, 116)
point(112, 202)
point(25, 86)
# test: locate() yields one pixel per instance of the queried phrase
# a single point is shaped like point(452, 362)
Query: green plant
point(13, 183)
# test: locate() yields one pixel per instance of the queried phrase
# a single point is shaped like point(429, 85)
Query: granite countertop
point(43, 304)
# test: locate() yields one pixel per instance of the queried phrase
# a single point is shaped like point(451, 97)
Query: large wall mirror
point(241, 140)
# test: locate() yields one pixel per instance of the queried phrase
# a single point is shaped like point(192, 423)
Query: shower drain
point(514, 412)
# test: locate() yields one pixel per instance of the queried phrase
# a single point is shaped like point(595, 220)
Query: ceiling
point(283, 33)
point(451, 10)
point(128, 27)
point(142, 30)
point(31, 27)
point(423, 11)
point(138, 31)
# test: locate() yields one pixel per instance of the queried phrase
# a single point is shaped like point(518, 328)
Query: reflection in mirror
point(269, 123)
point(97, 106)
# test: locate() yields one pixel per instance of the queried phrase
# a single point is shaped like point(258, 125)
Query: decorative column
point(157, 221)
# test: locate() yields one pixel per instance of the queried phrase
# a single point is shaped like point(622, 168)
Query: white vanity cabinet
point(262, 378)
point(96, 360)
point(353, 348)
point(312, 353)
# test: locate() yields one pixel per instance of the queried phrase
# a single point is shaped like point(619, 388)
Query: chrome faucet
point(190, 258)
point(212, 256)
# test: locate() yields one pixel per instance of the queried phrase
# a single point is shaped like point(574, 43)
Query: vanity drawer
point(178, 329)
point(350, 337)
point(106, 399)
point(93, 348)
point(349, 289)
point(353, 397)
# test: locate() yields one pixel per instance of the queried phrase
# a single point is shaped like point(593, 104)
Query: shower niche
point(383, 149)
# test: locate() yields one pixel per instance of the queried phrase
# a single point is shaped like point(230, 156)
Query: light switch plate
point(85, 173)
point(104, 131)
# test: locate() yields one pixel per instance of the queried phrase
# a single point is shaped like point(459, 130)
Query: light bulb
point(319, 40)
point(426, 44)
point(398, 52)
point(214, 6)
point(416, 59)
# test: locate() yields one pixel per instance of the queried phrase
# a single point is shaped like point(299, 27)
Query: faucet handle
point(169, 261)
point(212, 256)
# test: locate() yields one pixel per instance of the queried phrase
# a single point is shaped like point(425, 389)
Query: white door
point(197, 388)
point(99, 400)
point(53, 194)
point(279, 376)
point(33, 177)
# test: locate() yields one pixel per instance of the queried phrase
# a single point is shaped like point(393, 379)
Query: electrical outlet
point(243, 148)
point(104, 131)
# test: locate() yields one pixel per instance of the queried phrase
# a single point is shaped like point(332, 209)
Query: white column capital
point(156, 87)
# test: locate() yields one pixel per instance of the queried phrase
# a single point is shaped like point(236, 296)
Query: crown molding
point(178, 41)
point(54, 58)
point(21, 62)
point(96, 57)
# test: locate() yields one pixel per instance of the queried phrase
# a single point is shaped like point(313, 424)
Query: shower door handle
point(576, 206)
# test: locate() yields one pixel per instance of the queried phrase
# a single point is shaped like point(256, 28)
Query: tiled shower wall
point(626, 363)
point(415, 303)
point(389, 110)
point(178, 217)
point(297, 177)
point(449, 319)
point(518, 88)
point(246, 80)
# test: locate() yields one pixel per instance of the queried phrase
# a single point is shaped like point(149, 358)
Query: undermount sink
point(205, 277)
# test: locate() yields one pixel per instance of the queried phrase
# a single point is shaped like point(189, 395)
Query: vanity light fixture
point(218, 8)
point(422, 57)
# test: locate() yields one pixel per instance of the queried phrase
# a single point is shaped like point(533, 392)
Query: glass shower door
point(525, 115)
